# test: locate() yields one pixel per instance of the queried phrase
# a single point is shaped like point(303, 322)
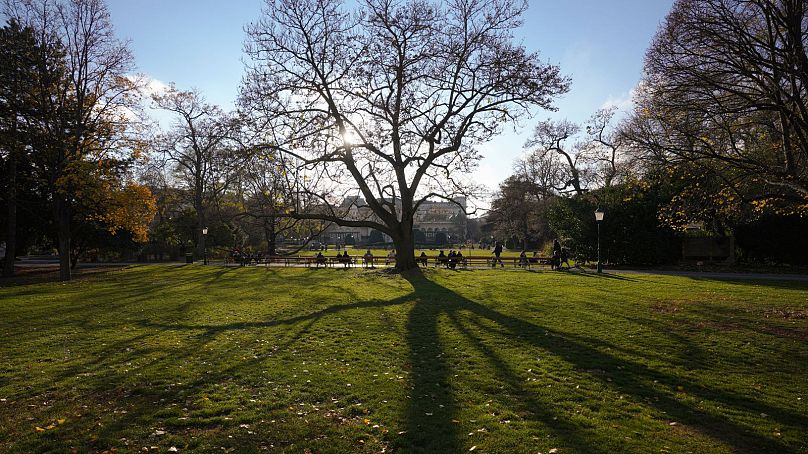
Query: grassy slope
point(336, 360)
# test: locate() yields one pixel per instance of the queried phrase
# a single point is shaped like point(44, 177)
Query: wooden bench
point(492, 261)
point(287, 260)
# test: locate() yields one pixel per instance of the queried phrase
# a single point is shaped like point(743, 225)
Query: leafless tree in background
point(200, 148)
point(562, 160)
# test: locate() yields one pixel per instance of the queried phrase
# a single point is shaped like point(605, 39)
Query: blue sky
point(599, 43)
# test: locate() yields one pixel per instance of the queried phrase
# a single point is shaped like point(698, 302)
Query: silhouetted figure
point(564, 258)
point(441, 259)
point(423, 260)
point(497, 253)
point(556, 261)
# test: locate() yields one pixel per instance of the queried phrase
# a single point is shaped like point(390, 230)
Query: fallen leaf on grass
point(39, 429)
point(473, 448)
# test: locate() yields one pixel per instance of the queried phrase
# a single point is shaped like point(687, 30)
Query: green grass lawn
point(210, 359)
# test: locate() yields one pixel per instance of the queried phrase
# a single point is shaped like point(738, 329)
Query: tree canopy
point(725, 93)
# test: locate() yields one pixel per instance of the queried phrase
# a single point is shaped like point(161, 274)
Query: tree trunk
point(63, 222)
point(11, 236)
point(200, 219)
point(74, 259)
point(271, 236)
point(405, 247)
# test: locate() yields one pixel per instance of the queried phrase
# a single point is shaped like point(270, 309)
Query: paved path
point(718, 275)
point(44, 262)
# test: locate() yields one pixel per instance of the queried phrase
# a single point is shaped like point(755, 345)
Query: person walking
point(497, 254)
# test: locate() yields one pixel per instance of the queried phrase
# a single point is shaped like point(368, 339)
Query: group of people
point(343, 258)
point(560, 256)
point(525, 261)
point(245, 258)
point(449, 261)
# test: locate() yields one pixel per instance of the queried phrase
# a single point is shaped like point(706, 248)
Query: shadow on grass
point(627, 377)
point(784, 284)
point(432, 406)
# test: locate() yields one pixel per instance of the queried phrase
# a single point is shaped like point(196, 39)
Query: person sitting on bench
point(441, 259)
point(367, 259)
point(523, 259)
point(423, 260)
point(459, 259)
point(391, 257)
point(319, 259)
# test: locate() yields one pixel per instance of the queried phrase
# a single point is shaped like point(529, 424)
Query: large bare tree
point(726, 89)
point(390, 100)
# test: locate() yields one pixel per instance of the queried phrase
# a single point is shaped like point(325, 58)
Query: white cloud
point(149, 87)
point(155, 86)
point(623, 102)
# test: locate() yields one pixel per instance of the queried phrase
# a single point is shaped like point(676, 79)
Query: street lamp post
point(599, 219)
point(204, 246)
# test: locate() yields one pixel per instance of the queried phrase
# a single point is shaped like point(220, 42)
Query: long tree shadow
point(437, 432)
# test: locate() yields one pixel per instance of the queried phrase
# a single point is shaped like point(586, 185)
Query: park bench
point(287, 260)
point(332, 261)
point(489, 261)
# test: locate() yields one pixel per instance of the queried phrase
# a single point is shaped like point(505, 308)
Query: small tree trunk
point(271, 236)
point(201, 221)
point(74, 259)
point(63, 222)
point(11, 235)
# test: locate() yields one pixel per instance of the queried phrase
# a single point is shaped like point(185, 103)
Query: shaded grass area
point(210, 359)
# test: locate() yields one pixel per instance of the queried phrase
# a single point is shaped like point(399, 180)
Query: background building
point(435, 222)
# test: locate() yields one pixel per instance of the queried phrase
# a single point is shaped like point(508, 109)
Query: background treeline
point(717, 141)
